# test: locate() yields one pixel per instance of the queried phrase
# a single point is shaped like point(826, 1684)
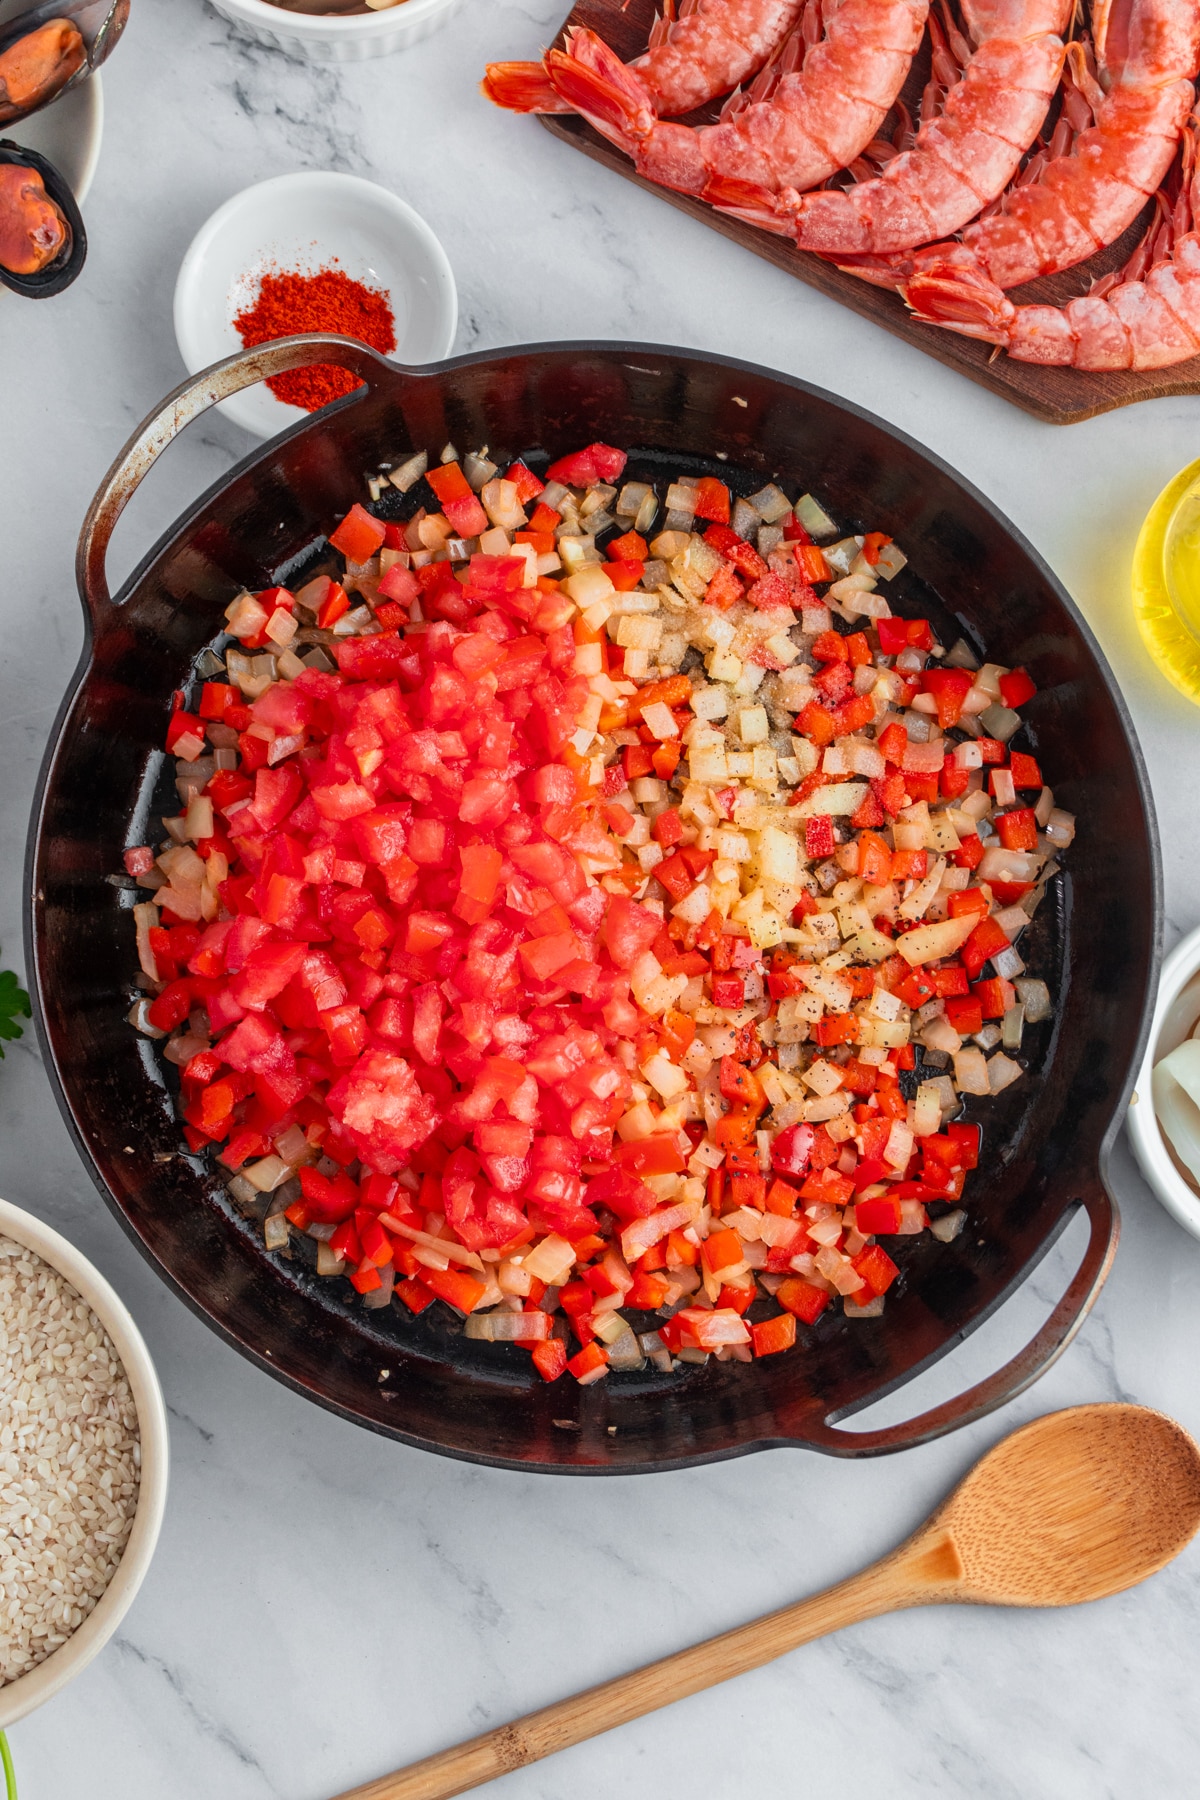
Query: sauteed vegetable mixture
point(588, 906)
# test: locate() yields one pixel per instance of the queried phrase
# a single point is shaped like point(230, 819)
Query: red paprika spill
point(289, 302)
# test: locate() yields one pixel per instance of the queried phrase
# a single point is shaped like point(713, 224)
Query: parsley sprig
point(14, 1005)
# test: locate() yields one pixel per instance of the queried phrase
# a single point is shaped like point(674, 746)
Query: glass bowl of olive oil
point(1166, 581)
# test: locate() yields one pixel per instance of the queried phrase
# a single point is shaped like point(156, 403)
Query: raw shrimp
point(963, 158)
point(1147, 317)
point(708, 49)
point(817, 118)
point(1092, 180)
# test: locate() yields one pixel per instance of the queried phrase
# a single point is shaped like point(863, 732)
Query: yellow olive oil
point(1166, 581)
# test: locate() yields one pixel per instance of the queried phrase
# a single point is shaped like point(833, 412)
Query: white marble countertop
point(326, 1605)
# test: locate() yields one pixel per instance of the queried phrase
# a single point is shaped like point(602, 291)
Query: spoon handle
point(924, 1569)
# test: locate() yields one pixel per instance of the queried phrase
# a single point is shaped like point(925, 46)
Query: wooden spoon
point(1078, 1505)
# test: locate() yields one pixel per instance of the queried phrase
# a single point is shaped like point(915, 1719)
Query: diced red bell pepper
point(966, 1139)
point(969, 854)
point(720, 1250)
point(1016, 688)
point(454, 1286)
point(876, 1268)
point(803, 1299)
point(1017, 829)
point(334, 606)
point(811, 563)
point(949, 688)
point(878, 1217)
point(965, 1014)
point(986, 941)
point(1024, 769)
point(458, 499)
point(896, 635)
point(590, 1364)
point(358, 536)
point(771, 1336)
point(994, 996)
point(550, 1358)
point(415, 1295)
point(792, 1149)
point(728, 990)
point(712, 500)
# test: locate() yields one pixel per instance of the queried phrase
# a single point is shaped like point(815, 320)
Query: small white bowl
point(302, 222)
point(353, 38)
point(29, 1691)
point(1175, 1013)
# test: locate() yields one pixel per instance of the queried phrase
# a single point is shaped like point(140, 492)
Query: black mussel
point(43, 245)
point(51, 47)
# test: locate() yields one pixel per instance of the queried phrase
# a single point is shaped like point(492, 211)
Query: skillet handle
point(188, 401)
point(1024, 1369)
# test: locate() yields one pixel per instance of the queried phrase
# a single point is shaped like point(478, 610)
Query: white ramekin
point(332, 39)
point(29, 1691)
point(1176, 1012)
point(301, 222)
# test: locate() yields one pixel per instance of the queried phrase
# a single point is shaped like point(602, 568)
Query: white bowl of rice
point(83, 1462)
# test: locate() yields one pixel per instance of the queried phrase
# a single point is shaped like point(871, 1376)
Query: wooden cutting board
point(1060, 396)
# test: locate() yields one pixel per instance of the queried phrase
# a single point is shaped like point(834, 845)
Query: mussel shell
point(70, 260)
point(99, 23)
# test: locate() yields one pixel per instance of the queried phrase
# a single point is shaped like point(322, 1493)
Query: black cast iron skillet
point(1047, 1139)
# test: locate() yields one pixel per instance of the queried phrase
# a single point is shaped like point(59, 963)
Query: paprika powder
point(328, 300)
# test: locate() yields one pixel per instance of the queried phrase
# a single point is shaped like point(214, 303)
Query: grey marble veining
point(325, 1605)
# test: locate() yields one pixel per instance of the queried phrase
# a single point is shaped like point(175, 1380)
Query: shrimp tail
point(620, 112)
point(522, 87)
point(748, 200)
point(881, 271)
point(958, 295)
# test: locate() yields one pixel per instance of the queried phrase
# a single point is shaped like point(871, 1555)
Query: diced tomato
point(734, 549)
point(819, 841)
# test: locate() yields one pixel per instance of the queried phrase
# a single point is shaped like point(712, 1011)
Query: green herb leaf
point(14, 1005)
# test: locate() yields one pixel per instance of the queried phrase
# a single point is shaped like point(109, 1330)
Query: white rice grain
point(69, 1460)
